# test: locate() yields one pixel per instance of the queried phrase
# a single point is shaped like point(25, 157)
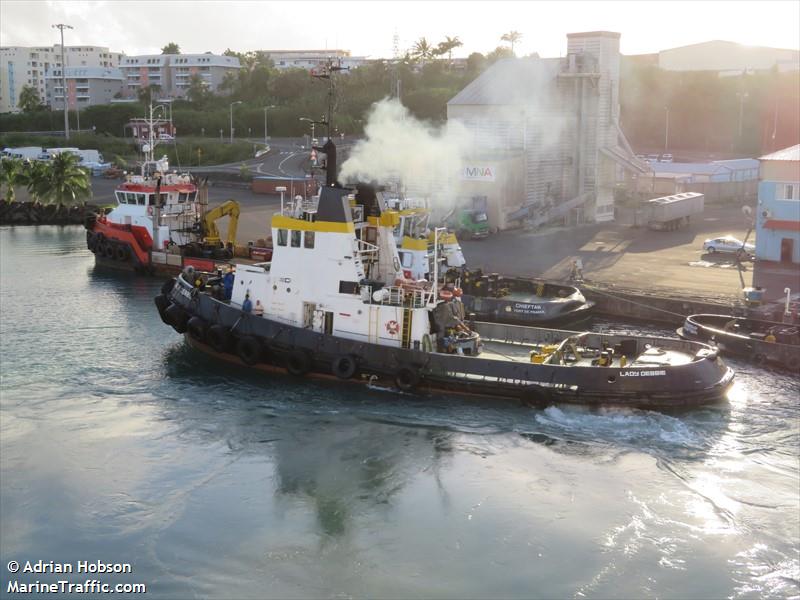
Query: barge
point(334, 303)
point(763, 342)
point(520, 301)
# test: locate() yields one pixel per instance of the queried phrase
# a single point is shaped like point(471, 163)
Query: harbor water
point(120, 444)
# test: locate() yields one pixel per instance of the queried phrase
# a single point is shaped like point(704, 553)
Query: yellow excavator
point(229, 208)
point(210, 243)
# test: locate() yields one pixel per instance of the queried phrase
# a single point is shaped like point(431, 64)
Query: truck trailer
point(671, 212)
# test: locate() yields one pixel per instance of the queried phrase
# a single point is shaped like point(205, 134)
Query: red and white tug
point(160, 223)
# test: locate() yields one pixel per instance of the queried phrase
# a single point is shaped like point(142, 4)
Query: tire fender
point(344, 367)
point(248, 349)
point(162, 303)
point(167, 287)
point(298, 363)
point(178, 317)
point(121, 253)
point(406, 378)
point(197, 328)
point(219, 338)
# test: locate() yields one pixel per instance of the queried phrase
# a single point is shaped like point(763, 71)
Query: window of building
point(789, 191)
point(296, 239)
point(282, 237)
point(308, 239)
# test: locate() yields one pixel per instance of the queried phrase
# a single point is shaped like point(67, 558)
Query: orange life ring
point(392, 327)
point(457, 292)
point(445, 294)
point(150, 211)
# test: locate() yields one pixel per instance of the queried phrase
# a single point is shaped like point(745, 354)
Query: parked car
point(652, 158)
point(727, 244)
point(165, 136)
point(666, 158)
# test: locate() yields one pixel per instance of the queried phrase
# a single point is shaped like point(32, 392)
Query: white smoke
point(399, 147)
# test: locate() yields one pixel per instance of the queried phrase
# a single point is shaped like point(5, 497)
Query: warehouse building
point(778, 213)
point(548, 131)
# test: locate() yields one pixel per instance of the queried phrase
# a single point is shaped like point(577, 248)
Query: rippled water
point(117, 443)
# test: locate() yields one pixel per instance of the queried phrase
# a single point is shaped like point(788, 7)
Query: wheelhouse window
point(308, 239)
point(131, 197)
point(283, 236)
point(121, 198)
point(140, 199)
point(182, 197)
point(348, 287)
point(296, 239)
point(191, 196)
point(151, 199)
point(164, 199)
point(406, 258)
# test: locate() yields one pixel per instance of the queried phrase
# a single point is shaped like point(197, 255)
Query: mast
point(331, 166)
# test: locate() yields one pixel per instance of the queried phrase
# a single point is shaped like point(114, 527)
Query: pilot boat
point(334, 303)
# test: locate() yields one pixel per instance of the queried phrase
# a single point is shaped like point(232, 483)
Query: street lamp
point(62, 27)
point(266, 138)
point(232, 105)
point(666, 129)
point(281, 189)
point(313, 123)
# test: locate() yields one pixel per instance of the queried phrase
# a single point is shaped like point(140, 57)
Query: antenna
point(395, 45)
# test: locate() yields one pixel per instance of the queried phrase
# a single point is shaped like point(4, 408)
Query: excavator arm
point(228, 208)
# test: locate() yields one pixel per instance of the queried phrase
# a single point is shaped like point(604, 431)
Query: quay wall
point(666, 309)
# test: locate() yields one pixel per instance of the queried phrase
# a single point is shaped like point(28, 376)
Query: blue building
point(778, 213)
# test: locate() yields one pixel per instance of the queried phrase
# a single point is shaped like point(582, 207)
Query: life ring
point(197, 328)
point(149, 211)
point(166, 288)
point(248, 349)
point(219, 337)
point(392, 327)
point(759, 359)
point(445, 294)
point(344, 367)
point(121, 252)
point(406, 379)
point(162, 303)
point(298, 363)
point(178, 318)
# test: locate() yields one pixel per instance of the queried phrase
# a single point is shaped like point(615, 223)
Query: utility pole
point(62, 27)
point(232, 105)
point(666, 129)
point(265, 122)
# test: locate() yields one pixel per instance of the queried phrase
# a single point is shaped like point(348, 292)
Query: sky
point(367, 28)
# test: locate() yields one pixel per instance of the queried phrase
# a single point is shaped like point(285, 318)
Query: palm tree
point(448, 45)
point(65, 181)
point(10, 176)
point(512, 37)
point(422, 50)
point(35, 176)
point(29, 100)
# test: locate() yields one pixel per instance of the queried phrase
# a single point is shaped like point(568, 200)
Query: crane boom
point(228, 208)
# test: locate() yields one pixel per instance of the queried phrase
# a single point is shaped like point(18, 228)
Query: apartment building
point(311, 59)
point(173, 72)
point(86, 86)
point(23, 65)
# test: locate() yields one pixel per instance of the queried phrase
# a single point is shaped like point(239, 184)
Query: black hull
point(259, 341)
point(711, 329)
point(548, 313)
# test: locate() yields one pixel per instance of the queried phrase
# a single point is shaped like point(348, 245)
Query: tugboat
point(520, 301)
point(333, 302)
point(161, 222)
point(763, 342)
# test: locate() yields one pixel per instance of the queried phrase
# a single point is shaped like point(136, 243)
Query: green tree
point(476, 63)
point(499, 53)
point(148, 93)
point(64, 181)
point(512, 37)
point(198, 93)
point(36, 178)
point(447, 46)
point(10, 176)
point(29, 100)
point(171, 48)
point(422, 50)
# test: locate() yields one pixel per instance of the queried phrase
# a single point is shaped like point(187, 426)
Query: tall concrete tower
point(593, 59)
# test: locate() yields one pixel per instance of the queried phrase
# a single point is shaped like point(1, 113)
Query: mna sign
point(478, 173)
